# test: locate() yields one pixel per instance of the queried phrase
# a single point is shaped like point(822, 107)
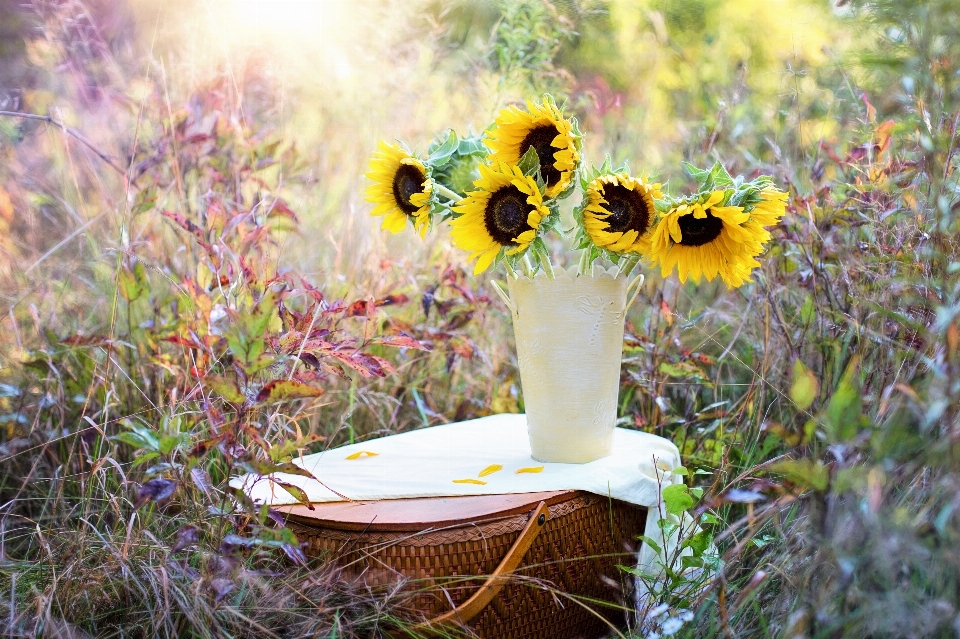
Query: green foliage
point(805, 387)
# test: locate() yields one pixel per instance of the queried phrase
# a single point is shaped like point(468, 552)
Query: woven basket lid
point(420, 513)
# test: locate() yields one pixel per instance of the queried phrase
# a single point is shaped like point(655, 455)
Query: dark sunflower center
point(541, 139)
point(407, 182)
point(697, 232)
point(628, 210)
point(506, 215)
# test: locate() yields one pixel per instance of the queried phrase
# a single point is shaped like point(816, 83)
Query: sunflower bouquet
point(500, 192)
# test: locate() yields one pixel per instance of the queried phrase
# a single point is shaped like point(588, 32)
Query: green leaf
point(132, 282)
point(472, 146)
point(259, 318)
point(650, 542)
point(133, 439)
point(530, 162)
point(804, 389)
point(699, 175)
point(680, 470)
point(842, 417)
point(808, 312)
point(677, 498)
point(804, 472)
point(265, 468)
point(699, 543)
point(441, 154)
point(144, 458)
point(226, 388)
point(711, 519)
point(170, 442)
point(720, 177)
point(146, 200)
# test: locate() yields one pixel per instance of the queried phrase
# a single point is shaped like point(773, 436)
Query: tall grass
point(165, 323)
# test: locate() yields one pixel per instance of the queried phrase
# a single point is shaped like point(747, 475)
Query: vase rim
point(570, 273)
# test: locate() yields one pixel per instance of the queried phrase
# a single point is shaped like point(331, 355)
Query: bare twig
point(69, 131)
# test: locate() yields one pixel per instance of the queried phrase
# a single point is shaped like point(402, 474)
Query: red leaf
point(401, 340)
point(279, 207)
point(357, 308)
point(193, 230)
point(253, 237)
point(391, 300)
point(202, 447)
point(314, 292)
point(367, 365)
point(87, 340)
point(462, 349)
point(197, 138)
point(458, 321)
point(181, 341)
point(667, 315)
point(280, 390)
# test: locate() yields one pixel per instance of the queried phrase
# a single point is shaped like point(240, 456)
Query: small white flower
point(671, 626)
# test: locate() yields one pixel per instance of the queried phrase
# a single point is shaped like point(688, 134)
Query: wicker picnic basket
point(520, 566)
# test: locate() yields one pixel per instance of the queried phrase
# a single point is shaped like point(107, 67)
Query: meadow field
point(182, 199)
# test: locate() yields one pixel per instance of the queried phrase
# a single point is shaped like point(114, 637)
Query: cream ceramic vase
point(569, 334)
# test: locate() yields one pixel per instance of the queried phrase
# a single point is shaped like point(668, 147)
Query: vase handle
point(635, 285)
point(506, 298)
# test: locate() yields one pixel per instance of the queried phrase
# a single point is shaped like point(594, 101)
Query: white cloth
point(425, 463)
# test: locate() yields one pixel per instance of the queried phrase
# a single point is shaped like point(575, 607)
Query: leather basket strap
point(470, 608)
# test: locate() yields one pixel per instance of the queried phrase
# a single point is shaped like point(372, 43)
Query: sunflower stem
point(447, 193)
point(547, 266)
point(510, 270)
point(584, 262)
point(527, 265)
point(628, 264)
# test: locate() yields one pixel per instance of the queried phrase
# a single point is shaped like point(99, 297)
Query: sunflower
point(401, 189)
point(619, 212)
point(770, 208)
point(504, 213)
point(704, 238)
point(543, 128)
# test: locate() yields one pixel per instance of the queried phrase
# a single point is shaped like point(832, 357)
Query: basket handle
point(472, 606)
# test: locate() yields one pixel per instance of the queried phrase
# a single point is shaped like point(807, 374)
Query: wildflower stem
point(447, 193)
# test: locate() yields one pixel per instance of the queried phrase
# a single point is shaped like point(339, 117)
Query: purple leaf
point(295, 554)
point(201, 479)
point(155, 490)
point(186, 536)
point(221, 587)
